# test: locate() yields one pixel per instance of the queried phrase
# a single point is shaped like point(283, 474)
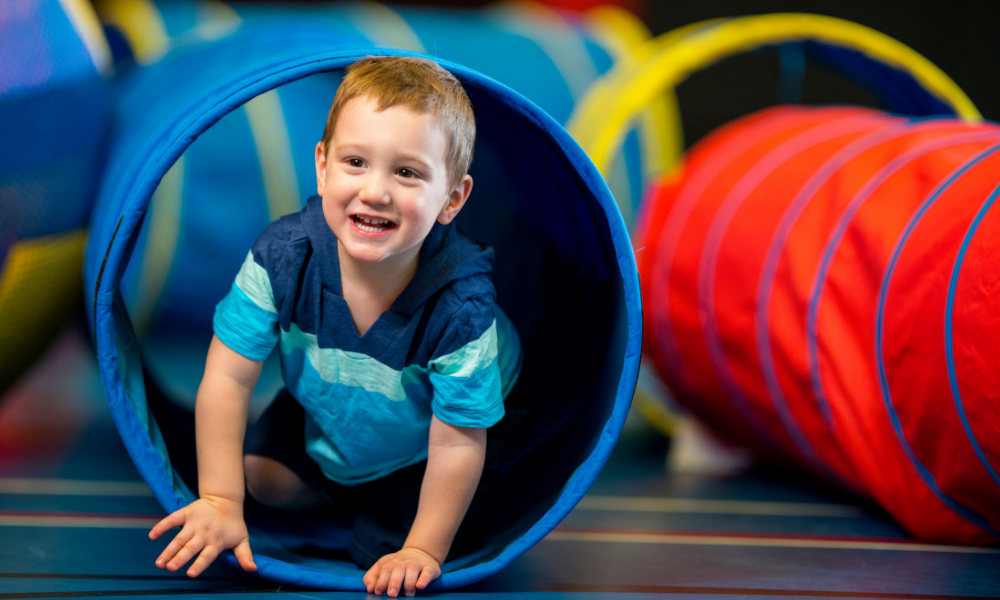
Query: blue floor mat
point(74, 518)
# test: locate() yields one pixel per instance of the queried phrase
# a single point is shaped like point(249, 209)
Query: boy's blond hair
point(421, 85)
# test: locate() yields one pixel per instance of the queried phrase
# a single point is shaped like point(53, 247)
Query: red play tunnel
point(822, 284)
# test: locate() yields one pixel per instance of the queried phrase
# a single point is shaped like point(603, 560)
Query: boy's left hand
point(408, 570)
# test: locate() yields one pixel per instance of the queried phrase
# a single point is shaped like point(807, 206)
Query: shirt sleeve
point(246, 320)
point(465, 373)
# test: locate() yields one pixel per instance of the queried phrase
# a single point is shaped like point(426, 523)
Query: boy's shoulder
point(476, 288)
point(282, 250)
point(463, 305)
point(464, 311)
point(288, 229)
point(458, 269)
point(287, 242)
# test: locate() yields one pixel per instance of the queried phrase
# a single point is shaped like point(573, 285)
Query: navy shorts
point(382, 511)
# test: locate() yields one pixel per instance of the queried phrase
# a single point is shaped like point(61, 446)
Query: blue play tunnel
point(564, 274)
point(257, 164)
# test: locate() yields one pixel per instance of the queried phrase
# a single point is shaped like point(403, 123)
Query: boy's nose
point(375, 191)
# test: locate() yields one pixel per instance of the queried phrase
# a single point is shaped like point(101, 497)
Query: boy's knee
point(272, 483)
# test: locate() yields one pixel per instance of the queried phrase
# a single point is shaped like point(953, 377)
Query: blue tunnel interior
point(564, 273)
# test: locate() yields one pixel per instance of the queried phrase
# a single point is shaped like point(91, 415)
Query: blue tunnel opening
point(564, 274)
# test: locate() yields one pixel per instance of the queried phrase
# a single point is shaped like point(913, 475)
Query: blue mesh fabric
point(54, 110)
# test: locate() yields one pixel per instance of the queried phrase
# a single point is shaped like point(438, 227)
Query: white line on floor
point(730, 507)
point(71, 521)
point(704, 540)
point(73, 487)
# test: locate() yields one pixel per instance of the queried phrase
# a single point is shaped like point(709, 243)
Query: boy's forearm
point(450, 481)
point(220, 422)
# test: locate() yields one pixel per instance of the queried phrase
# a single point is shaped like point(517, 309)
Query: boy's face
point(384, 181)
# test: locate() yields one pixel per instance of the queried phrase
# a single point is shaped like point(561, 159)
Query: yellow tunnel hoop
point(630, 39)
point(648, 77)
point(600, 122)
point(41, 281)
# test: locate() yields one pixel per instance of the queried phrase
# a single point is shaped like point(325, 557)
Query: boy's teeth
point(371, 224)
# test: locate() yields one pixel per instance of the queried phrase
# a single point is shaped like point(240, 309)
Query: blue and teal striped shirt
point(443, 348)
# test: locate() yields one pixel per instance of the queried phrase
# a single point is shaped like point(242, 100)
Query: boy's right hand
point(209, 526)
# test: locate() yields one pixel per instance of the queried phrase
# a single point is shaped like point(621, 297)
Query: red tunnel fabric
point(914, 301)
point(797, 275)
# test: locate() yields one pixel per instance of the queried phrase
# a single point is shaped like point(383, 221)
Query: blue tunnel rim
point(147, 174)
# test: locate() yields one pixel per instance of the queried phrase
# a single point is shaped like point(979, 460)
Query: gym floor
point(74, 515)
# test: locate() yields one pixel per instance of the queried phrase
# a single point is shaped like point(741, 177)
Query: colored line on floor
point(728, 507)
point(120, 593)
point(671, 589)
point(73, 487)
point(700, 539)
point(558, 587)
point(86, 576)
point(108, 521)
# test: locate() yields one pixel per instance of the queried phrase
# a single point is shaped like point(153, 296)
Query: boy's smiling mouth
point(372, 224)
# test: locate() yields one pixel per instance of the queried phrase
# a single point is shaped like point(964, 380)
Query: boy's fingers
point(396, 579)
point(383, 579)
point(167, 554)
point(173, 547)
point(184, 554)
point(371, 578)
point(206, 557)
point(174, 519)
point(427, 575)
point(410, 579)
point(244, 556)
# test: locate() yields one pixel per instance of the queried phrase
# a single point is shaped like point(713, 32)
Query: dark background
point(962, 37)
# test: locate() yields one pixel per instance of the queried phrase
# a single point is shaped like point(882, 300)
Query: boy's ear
point(456, 200)
point(320, 167)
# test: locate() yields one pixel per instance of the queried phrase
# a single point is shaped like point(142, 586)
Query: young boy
point(395, 357)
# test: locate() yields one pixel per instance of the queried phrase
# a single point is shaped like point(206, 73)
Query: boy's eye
point(406, 173)
point(355, 162)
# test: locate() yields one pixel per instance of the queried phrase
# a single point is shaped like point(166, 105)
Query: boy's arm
point(455, 458)
point(215, 522)
point(221, 420)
